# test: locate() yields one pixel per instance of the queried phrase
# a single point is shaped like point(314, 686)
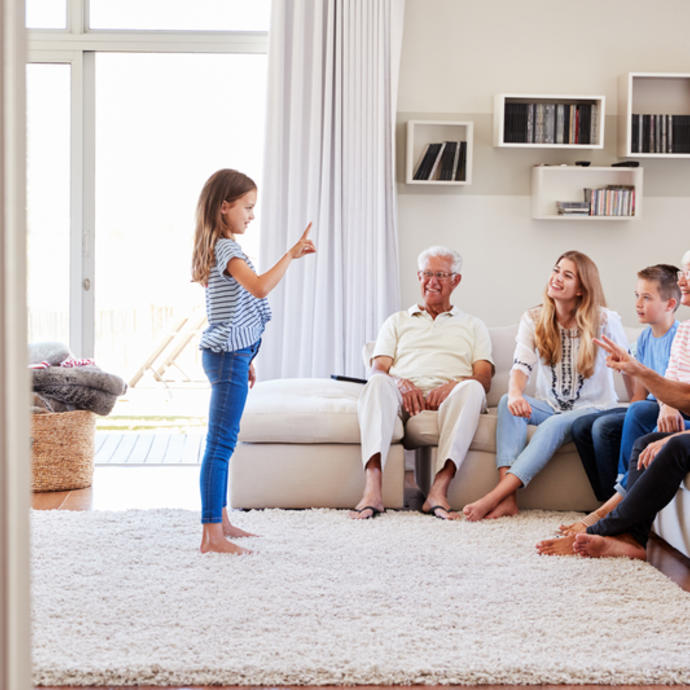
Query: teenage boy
point(601, 441)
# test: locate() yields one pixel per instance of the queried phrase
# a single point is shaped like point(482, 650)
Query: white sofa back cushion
point(503, 346)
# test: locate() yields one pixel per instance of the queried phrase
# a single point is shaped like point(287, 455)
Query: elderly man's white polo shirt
point(430, 352)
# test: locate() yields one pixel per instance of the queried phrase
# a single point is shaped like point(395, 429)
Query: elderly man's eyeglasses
point(440, 275)
point(684, 274)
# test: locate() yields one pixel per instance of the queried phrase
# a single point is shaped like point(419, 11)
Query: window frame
point(77, 45)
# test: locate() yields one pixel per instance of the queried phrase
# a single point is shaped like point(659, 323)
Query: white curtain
point(332, 92)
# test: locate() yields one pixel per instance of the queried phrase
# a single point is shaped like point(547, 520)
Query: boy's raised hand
point(303, 245)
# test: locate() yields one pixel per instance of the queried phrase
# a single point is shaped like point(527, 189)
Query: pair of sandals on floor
point(375, 512)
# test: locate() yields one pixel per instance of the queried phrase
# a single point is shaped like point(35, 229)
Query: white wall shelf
point(518, 133)
point(653, 94)
point(553, 183)
point(421, 133)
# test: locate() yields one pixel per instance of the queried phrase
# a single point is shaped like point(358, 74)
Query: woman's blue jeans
point(512, 450)
point(228, 373)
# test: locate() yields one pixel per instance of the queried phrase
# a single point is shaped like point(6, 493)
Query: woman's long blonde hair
point(587, 316)
point(224, 185)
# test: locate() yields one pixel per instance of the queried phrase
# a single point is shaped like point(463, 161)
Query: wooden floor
point(119, 488)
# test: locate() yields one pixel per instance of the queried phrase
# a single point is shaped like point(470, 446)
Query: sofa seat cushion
point(303, 411)
point(422, 430)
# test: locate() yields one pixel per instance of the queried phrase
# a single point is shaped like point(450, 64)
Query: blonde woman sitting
point(555, 341)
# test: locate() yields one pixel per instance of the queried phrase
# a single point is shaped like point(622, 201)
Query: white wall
point(456, 55)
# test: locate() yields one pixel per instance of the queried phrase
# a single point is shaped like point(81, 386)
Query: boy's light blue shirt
point(655, 352)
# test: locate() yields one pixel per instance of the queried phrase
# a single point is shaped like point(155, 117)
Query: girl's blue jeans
point(228, 373)
point(526, 460)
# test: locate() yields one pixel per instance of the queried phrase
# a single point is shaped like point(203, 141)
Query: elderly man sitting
point(431, 357)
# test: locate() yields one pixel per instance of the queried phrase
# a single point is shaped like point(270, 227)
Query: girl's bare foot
point(562, 546)
point(213, 541)
point(229, 530)
point(621, 546)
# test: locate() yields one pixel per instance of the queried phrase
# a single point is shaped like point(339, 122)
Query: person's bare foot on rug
point(214, 541)
point(230, 530)
point(560, 546)
point(596, 546)
point(506, 508)
point(501, 501)
point(436, 502)
point(573, 528)
point(371, 503)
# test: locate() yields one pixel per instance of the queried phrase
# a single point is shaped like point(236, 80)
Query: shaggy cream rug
point(126, 598)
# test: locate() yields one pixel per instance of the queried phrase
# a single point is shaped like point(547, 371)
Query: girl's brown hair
point(224, 185)
point(587, 316)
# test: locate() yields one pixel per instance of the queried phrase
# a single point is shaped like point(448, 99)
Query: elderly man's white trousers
point(380, 404)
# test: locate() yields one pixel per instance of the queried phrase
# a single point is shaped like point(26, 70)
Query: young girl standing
point(237, 311)
point(555, 341)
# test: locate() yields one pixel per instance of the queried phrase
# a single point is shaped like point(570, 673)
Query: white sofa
point(299, 447)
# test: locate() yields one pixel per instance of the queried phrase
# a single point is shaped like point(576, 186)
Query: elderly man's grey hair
point(438, 250)
point(686, 258)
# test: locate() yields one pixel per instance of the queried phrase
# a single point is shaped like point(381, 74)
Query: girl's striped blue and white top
point(236, 318)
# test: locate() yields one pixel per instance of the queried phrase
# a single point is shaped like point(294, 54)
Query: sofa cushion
point(422, 430)
point(303, 411)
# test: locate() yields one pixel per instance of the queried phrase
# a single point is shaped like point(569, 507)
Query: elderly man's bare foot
point(222, 545)
point(561, 546)
point(367, 508)
point(596, 546)
point(439, 507)
point(506, 508)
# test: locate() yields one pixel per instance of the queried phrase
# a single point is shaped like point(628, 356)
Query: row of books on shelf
point(612, 200)
point(551, 123)
point(660, 133)
point(445, 160)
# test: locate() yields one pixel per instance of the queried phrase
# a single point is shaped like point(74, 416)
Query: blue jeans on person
point(597, 437)
point(512, 450)
point(228, 373)
point(649, 490)
point(640, 420)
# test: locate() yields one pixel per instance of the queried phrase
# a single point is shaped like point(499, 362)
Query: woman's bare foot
point(506, 508)
point(621, 546)
point(561, 546)
point(230, 530)
point(213, 541)
point(479, 509)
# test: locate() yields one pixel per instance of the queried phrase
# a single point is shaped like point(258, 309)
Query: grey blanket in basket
point(78, 388)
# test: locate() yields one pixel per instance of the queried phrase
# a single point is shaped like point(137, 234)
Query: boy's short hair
point(666, 277)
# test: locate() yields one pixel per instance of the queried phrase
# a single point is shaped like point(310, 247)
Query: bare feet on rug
point(230, 530)
point(621, 546)
point(506, 508)
point(490, 507)
point(213, 541)
point(560, 546)
point(573, 528)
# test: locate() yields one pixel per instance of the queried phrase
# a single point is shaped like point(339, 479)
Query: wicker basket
point(62, 445)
